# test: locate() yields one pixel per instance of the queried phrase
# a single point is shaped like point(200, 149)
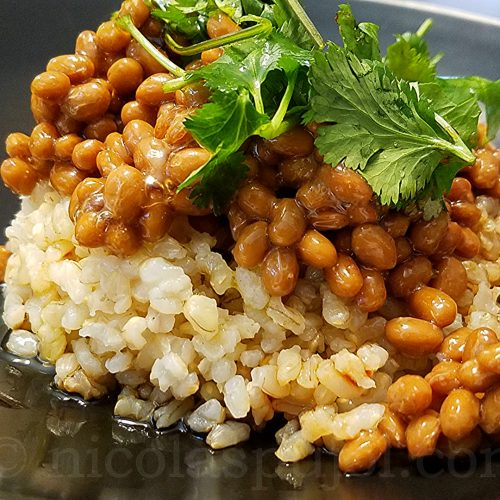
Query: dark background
point(109, 461)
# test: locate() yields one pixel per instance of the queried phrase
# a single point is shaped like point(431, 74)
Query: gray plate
point(53, 448)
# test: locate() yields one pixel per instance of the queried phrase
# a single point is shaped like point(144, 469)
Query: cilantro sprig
point(407, 131)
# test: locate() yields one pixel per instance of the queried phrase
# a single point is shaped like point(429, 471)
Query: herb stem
point(262, 28)
point(126, 23)
point(424, 28)
point(459, 149)
point(302, 16)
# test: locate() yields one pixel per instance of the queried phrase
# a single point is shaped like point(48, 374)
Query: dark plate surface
point(55, 448)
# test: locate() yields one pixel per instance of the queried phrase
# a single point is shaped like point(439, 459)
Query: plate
point(52, 446)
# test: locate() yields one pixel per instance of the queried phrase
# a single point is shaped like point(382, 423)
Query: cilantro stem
point(424, 28)
point(262, 28)
point(459, 149)
point(302, 16)
point(126, 23)
point(177, 83)
point(278, 124)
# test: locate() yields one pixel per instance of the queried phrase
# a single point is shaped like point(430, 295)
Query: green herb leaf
point(220, 178)
point(377, 124)
point(456, 104)
point(485, 91)
point(408, 57)
point(225, 123)
point(361, 39)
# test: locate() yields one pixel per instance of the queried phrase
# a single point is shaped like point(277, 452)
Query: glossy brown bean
point(51, 85)
point(413, 336)
point(477, 341)
point(86, 189)
point(317, 250)
point(489, 358)
point(422, 434)
point(137, 9)
point(453, 345)
point(433, 305)
point(393, 427)
point(100, 129)
point(362, 452)
point(18, 176)
point(396, 224)
point(43, 110)
point(465, 213)
point(134, 110)
point(87, 102)
point(211, 55)
point(114, 142)
point(443, 377)
point(409, 275)
point(484, 173)
point(17, 145)
point(125, 75)
point(426, 235)
point(296, 142)
point(193, 95)
point(264, 154)
point(450, 241)
point(42, 141)
point(461, 190)
point(287, 224)
point(134, 132)
point(150, 157)
point(155, 221)
point(315, 195)
point(124, 192)
point(490, 411)
point(256, 200)
point(41, 167)
point(184, 162)
point(362, 214)
point(409, 395)
point(374, 247)
point(150, 92)
point(77, 67)
point(474, 377)
point(451, 277)
point(65, 177)
point(220, 24)
point(403, 249)
point(86, 45)
point(459, 414)
point(344, 278)
point(67, 125)
point(121, 239)
point(347, 185)
point(64, 146)
point(297, 170)
point(328, 220)
point(373, 294)
point(90, 229)
point(84, 155)
point(470, 245)
point(280, 271)
point(107, 161)
point(111, 38)
point(252, 245)
point(237, 220)
point(149, 64)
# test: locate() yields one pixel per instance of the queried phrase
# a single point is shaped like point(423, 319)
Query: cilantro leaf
point(456, 104)
point(361, 39)
point(485, 91)
point(408, 57)
point(222, 176)
point(377, 124)
point(226, 122)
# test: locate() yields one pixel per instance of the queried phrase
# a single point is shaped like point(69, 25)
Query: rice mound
point(184, 335)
